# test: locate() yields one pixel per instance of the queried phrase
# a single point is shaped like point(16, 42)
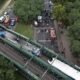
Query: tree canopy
point(1, 1)
point(59, 12)
point(27, 10)
point(6, 69)
point(70, 10)
point(75, 47)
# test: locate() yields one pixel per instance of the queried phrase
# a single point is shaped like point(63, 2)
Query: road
point(41, 35)
point(25, 45)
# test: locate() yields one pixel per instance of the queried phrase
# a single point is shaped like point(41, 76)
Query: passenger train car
point(65, 68)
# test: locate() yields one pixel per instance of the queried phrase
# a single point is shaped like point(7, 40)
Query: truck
point(52, 33)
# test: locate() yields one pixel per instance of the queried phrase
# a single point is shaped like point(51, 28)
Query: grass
point(24, 29)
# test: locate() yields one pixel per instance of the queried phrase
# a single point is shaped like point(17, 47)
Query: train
point(65, 68)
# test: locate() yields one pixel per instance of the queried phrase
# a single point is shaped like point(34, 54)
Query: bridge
point(37, 61)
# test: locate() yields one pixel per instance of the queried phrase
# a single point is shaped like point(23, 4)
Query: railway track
point(37, 65)
point(31, 65)
point(25, 45)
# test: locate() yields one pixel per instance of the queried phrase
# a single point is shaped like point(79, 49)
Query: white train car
point(65, 68)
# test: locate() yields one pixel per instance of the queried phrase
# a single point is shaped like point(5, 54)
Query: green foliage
point(62, 1)
point(69, 11)
point(27, 10)
point(24, 29)
point(74, 15)
point(59, 12)
point(68, 6)
point(6, 69)
point(75, 47)
point(74, 30)
point(1, 1)
point(77, 4)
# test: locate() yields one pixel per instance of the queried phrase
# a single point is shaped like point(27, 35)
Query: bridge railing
point(33, 76)
point(48, 52)
point(37, 60)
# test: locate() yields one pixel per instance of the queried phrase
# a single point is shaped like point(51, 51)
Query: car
point(36, 51)
point(33, 49)
point(2, 18)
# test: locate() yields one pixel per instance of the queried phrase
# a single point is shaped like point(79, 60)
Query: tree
point(77, 4)
point(74, 30)
point(59, 12)
point(27, 10)
point(74, 15)
point(62, 1)
point(70, 10)
point(1, 1)
point(75, 47)
point(68, 6)
point(6, 69)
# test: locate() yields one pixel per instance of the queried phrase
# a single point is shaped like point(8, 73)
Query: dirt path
point(5, 6)
point(64, 44)
point(59, 42)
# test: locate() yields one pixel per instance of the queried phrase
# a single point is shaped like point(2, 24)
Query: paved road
point(26, 45)
point(62, 44)
point(41, 34)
